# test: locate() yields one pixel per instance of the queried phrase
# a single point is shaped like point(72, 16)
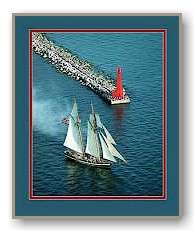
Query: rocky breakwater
point(83, 71)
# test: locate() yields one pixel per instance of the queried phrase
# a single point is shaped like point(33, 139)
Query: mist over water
point(48, 115)
point(136, 127)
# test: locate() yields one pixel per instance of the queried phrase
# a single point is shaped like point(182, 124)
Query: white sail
point(108, 135)
point(99, 124)
point(74, 138)
point(92, 147)
point(106, 152)
point(113, 150)
point(96, 118)
point(74, 112)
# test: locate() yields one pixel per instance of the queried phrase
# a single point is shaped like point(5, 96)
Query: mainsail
point(92, 147)
point(74, 137)
point(95, 118)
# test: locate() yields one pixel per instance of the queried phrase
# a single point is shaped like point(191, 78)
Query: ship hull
point(76, 158)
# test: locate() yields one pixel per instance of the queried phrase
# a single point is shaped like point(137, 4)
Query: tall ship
point(99, 150)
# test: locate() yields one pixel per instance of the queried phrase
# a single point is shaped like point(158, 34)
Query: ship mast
point(95, 129)
point(79, 128)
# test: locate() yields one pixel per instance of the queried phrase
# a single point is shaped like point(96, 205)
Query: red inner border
point(164, 119)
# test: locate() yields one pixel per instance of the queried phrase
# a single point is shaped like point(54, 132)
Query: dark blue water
point(136, 127)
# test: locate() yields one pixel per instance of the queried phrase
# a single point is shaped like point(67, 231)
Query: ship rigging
point(100, 148)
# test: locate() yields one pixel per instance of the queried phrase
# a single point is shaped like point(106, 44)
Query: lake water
point(136, 127)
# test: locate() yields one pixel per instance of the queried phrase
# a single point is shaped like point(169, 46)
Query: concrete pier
point(82, 71)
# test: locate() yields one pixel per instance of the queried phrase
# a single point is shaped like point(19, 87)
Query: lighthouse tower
point(119, 94)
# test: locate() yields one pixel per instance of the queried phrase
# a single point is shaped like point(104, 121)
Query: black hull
point(87, 162)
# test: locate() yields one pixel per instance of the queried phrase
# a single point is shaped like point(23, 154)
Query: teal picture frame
point(169, 205)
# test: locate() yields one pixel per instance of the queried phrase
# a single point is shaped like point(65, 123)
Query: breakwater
point(84, 72)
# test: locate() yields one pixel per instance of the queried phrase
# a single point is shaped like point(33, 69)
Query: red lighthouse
point(119, 87)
